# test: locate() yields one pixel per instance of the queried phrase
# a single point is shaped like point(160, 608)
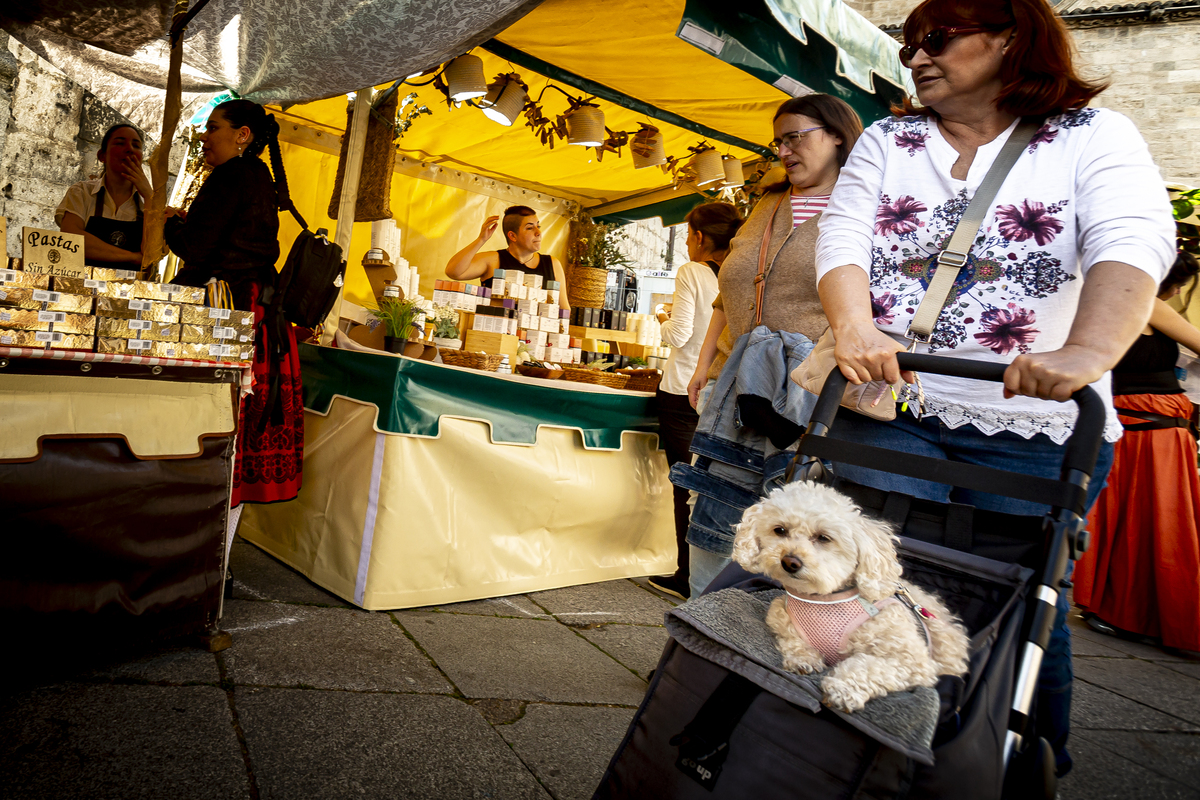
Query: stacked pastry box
point(33, 313)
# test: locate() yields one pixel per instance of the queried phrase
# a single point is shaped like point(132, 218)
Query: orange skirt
point(1142, 571)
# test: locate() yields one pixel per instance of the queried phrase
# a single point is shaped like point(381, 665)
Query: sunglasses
point(935, 42)
point(791, 140)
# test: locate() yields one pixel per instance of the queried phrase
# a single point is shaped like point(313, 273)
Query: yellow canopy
point(624, 52)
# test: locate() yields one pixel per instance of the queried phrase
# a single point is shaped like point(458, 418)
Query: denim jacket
point(735, 462)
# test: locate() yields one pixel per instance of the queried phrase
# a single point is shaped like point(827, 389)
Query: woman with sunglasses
point(813, 137)
point(1058, 282)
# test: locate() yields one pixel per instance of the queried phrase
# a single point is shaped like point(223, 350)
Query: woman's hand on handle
point(1113, 308)
point(864, 353)
point(1055, 375)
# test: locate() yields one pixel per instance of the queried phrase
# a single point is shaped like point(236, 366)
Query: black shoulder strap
point(715, 267)
point(292, 210)
point(98, 211)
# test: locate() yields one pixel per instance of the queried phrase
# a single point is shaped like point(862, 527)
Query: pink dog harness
point(827, 623)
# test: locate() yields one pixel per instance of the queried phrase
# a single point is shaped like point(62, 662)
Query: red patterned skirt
point(270, 453)
point(1142, 571)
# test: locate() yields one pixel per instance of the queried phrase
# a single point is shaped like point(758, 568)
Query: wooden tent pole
point(153, 246)
point(349, 198)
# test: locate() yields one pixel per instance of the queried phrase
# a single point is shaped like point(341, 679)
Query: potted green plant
point(445, 328)
point(399, 318)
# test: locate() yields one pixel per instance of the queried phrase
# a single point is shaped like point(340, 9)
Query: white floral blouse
point(1085, 191)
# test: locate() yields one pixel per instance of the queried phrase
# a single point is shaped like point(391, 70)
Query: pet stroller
point(721, 719)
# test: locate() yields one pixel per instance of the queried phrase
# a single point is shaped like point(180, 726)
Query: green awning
point(765, 38)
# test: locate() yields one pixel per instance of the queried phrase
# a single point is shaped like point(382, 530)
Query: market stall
point(114, 479)
point(428, 484)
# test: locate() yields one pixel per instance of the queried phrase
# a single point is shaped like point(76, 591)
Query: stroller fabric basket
point(722, 719)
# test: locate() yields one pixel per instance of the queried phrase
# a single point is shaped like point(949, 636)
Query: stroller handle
point(1082, 447)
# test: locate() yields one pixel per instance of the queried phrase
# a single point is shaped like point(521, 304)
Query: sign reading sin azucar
point(53, 253)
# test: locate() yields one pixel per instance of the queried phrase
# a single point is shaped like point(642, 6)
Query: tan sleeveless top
point(790, 302)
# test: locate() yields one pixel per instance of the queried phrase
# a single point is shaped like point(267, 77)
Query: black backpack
point(311, 277)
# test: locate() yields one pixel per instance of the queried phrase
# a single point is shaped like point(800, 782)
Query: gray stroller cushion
point(729, 627)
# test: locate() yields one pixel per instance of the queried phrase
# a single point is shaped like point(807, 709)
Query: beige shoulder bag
point(868, 398)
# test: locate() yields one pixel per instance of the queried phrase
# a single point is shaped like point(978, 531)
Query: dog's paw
point(802, 663)
point(843, 695)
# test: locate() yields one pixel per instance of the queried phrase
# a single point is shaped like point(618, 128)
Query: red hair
point(1037, 73)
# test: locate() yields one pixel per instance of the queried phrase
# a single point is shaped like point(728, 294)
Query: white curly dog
point(846, 606)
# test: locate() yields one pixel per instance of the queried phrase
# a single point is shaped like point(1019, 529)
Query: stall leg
point(216, 640)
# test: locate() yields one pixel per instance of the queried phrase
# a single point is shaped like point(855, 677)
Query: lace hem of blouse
point(989, 420)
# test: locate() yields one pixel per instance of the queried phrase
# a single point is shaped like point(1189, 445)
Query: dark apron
point(126, 234)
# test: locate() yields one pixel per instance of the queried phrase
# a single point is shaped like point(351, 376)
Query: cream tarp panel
point(388, 521)
point(436, 221)
point(159, 419)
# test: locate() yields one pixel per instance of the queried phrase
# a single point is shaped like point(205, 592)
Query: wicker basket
point(460, 358)
point(539, 372)
point(641, 380)
point(586, 288)
point(595, 376)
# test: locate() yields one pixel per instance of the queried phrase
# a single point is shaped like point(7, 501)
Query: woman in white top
point(1058, 283)
point(108, 210)
point(710, 228)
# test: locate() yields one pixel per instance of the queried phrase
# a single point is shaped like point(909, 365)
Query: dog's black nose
point(791, 564)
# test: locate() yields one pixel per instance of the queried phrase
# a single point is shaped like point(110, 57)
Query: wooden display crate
point(601, 333)
point(500, 344)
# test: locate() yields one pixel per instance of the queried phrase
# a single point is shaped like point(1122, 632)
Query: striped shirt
point(805, 208)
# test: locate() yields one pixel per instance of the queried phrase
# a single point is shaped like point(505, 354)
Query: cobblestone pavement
point(517, 697)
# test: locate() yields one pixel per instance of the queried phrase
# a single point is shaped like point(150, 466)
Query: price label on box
point(53, 253)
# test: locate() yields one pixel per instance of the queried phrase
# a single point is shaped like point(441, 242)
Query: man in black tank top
point(524, 237)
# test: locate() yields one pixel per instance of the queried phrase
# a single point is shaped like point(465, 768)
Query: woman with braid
point(230, 233)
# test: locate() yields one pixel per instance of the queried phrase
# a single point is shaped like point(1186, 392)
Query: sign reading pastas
point(53, 253)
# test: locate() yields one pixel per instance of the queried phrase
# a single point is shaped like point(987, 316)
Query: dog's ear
point(745, 544)
point(878, 571)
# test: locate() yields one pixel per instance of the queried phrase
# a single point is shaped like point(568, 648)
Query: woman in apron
point(107, 210)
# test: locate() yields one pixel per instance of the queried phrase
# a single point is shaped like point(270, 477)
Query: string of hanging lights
point(506, 98)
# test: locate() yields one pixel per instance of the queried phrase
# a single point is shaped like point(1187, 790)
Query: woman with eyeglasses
point(1057, 284)
point(813, 136)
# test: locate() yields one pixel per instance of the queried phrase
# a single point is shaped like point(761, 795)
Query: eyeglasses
point(935, 42)
point(791, 140)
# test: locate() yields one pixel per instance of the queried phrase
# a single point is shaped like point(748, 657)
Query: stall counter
point(115, 473)
point(426, 484)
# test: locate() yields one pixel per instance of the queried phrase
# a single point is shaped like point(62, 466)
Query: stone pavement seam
point(1103, 688)
point(1147, 767)
point(528, 768)
point(573, 629)
point(435, 610)
point(457, 693)
point(228, 685)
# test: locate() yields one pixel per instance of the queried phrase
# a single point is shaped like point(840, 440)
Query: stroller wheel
point(1031, 774)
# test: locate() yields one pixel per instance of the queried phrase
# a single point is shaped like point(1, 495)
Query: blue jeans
point(705, 566)
point(1038, 456)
